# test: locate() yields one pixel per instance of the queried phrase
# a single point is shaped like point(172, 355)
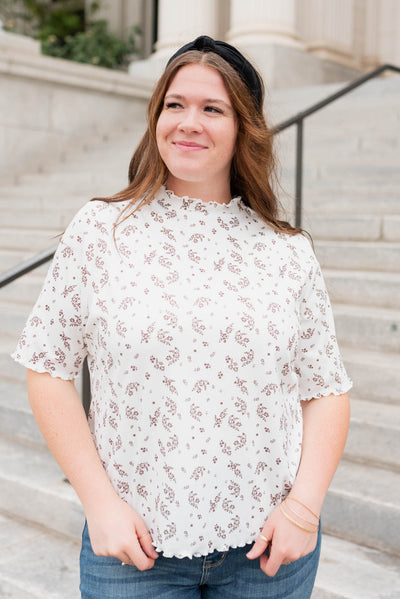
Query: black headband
point(241, 65)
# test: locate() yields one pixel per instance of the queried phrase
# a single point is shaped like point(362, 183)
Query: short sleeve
point(319, 365)
point(53, 338)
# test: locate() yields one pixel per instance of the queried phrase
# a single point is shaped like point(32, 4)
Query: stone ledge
point(65, 72)
point(12, 42)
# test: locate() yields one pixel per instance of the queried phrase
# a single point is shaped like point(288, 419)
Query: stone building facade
point(293, 42)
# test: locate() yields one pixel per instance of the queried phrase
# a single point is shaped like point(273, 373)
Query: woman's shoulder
point(95, 216)
point(296, 248)
point(298, 242)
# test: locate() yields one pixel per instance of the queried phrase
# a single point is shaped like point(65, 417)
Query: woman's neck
point(207, 192)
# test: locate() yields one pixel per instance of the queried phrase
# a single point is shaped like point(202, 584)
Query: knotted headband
point(241, 65)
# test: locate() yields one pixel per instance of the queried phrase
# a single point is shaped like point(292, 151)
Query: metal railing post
point(86, 397)
point(299, 173)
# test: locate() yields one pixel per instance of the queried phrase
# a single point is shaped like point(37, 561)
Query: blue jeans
point(219, 575)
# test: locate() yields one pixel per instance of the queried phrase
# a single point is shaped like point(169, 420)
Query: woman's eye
point(213, 109)
point(173, 105)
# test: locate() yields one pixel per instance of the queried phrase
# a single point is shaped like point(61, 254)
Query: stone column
point(328, 29)
point(366, 33)
point(180, 21)
point(258, 22)
point(267, 32)
point(388, 31)
point(296, 42)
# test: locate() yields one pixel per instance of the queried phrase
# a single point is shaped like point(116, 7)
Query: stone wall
point(48, 106)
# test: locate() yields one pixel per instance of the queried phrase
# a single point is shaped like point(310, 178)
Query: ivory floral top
point(204, 329)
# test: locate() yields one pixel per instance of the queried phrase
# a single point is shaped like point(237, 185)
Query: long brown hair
point(253, 168)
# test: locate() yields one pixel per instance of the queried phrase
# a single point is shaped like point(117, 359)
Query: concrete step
point(10, 258)
point(378, 289)
point(339, 202)
point(352, 197)
point(16, 317)
point(117, 157)
point(359, 255)
point(50, 562)
point(25, 289)
point(376, 375)
point(41, 211)
point(43, 221)
point(351, 121)
point(28, 239)
point(34, 489)
point(342, 146)
point(16, 418)
point(70, 186)
point(383, 91)
point(85, 177)
point(350, 571)
point(349, 227)
point(363, 173)
point(10, 371)
point(391, 228)
point(375, 328)
point(368, 227)
point(346, 137)
point(362, 506)
point(374, 436)
point(42, 189)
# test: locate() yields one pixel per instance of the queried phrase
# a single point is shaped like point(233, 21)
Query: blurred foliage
point(66, 30)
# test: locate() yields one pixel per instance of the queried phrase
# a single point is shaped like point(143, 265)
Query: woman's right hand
point(116, 530)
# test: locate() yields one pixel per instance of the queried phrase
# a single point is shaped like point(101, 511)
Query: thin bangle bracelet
point(304, 505)
point(300, 516)
point(296, 523)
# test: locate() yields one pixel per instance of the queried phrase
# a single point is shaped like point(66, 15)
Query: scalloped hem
point(40, 370)
point(187, 554)
point(329, 391)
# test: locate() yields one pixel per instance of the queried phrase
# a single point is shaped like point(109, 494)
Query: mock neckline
point(189, 200)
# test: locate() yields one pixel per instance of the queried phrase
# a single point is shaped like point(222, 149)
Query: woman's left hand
point(287, 543)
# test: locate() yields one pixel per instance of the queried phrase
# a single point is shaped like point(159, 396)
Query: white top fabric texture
point(204, 329)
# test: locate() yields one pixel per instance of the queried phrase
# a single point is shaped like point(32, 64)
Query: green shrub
point(97, 46)
point(67, 31)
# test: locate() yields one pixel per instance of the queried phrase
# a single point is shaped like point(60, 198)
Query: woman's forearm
point(292, 532)
point(325, 428)
point(58, 411)
point(115, 528)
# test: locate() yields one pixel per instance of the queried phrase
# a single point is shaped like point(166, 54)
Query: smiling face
point(196, 134)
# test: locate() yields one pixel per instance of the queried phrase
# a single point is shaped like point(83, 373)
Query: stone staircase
point(352, 209)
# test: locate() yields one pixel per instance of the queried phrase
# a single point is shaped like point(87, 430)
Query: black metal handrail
point(297, 120)
point(27, 265)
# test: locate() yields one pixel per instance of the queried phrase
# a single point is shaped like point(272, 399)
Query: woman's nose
point(190, 121)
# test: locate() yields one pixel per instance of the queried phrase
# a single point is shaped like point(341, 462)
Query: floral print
point(204, 329)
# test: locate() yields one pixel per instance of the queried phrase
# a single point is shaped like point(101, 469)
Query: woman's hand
point(116, 530)
point(287, 543)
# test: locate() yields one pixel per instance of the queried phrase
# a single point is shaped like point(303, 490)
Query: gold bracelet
point(304, 505)
point(300, 516)
point(296, 523)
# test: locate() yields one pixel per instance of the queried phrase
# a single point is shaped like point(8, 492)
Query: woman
point(219, 400)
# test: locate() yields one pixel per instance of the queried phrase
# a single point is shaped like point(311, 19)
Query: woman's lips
point(188, 146)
